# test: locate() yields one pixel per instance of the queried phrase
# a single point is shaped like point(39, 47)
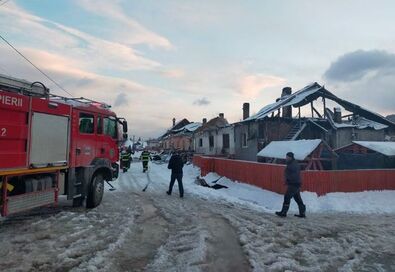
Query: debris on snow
point(202, 182)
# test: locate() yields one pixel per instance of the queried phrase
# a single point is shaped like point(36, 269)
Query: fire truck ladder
point(11, 84)
point(81, 100)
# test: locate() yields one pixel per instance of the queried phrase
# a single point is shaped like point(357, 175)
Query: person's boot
point(302, 211)
point(168, 192)
point(284, 211)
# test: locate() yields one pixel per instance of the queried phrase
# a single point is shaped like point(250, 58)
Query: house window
point(211, 141)
point(244, 140)
point(86, 123)
point(225, 140)
point(200, 142)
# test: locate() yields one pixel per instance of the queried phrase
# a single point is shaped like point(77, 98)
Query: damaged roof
point(188, 128)
point(358, 122)
point(310, 93)
point(217, 122)
point(179, 125)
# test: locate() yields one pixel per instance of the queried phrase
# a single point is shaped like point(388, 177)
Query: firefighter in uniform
point(126, 157)
point(145, 158)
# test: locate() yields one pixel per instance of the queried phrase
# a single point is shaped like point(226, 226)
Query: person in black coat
point(176, 164)
point(293, 182)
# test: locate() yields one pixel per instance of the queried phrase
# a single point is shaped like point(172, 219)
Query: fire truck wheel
point(96, 190)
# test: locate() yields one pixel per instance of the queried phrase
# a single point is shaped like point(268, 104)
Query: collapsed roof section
point(357, 122)
point(215, 123)
point(176, 126)
point(310, 93)
point(188, 128)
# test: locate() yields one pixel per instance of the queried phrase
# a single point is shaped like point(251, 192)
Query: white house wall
point(218, 142)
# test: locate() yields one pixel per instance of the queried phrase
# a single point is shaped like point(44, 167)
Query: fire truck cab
point(52, 145)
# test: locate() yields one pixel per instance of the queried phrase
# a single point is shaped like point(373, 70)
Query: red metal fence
point(271, 176)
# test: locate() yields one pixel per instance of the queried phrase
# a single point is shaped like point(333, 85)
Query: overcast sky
point(155, 60)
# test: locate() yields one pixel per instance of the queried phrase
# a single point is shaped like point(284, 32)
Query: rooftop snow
point(362, 123)
point(386, 148)
point(279, 149)
point(358, 122)
point(189, 128)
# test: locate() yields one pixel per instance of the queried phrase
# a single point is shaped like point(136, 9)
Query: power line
point(42, 72)
point(5, 2)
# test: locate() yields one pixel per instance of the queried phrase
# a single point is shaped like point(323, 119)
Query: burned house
point(182, 139)
point(179, 136)
point(153, 144)
point(215, 137)
point(308, 114)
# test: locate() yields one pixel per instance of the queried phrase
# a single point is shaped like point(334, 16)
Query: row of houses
point(311, 113)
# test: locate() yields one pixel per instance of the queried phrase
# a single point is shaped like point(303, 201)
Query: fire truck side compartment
point(49, 140)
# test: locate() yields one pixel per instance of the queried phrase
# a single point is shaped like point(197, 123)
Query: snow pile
point(278, 149)
point(259, 199)
point(361, 202)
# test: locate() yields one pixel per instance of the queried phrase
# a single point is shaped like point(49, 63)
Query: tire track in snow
point(200, 239)
point(339, 242)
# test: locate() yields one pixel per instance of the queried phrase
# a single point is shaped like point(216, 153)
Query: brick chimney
point(337, 115)
point(204, 121)
point(222, 115)
point(246, 110)
point(287, 111)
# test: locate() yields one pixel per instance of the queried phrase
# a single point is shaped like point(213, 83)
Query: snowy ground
point(209, 230)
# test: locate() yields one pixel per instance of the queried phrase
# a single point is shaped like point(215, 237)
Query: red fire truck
point(52, 145)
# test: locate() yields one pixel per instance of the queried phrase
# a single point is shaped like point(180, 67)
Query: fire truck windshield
point(110, 127)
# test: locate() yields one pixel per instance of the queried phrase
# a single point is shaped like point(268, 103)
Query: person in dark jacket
point(293, 182)
point(176, 164)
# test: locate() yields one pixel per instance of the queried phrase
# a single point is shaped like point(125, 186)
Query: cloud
point(121, 100)
point(251, 85)
point(355, 65)
point(173, 73)
point(149, 110)
point(129, 31)
point(201, 102)
point(93, 53)
point(366, 78)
